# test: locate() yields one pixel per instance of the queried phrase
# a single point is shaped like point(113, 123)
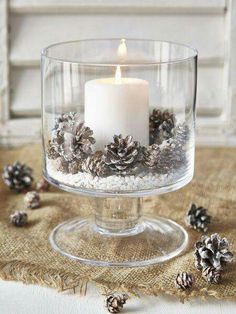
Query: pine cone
point(62, 165)
point(70, 138)
point(211, 275)
point(123, 155)
point(197, 218)
point(213, 252)
point(161, 124)
point(181, 134)
point(184, 281)
point(95, 165)
point(18, 177)
point(74, 166)
point(19, 218)
point(114, 302)
point(32, 199)
point(165, 157)
point(66, 121)
point(157, 158)
point(52, 151)
point(42, 186)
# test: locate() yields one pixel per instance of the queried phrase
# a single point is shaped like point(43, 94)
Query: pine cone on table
point(42, 186)
point(197, 218)
point(123, 155)
point(19, 218)
point(213, 252)
point(211, 275)
point(161, 124)
point(114, 302)
point(184, 281)
point(95, 165)
point(18, 177)
point(32, 199)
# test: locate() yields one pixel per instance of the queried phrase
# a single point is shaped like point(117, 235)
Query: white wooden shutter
point(29, 25)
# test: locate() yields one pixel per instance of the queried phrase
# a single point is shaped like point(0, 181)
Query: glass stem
point(118, 215)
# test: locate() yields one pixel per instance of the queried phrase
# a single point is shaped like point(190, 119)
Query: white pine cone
point(42, 186)
point(17, 177)
point(211, 275)
point(161, 124)
point(95, 165)
point(184, 281)
point(70, 138)
point(19, 218)
point(115, 301)
point(123, 155)
point(32, 199)
point(197, 218)
point(213, 252)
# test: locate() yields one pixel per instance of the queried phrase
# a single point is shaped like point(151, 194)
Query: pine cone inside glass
point(18, 177)
point(19, 218)
point(165, 157)
point(181, 134)
point(211, 275)
point(95, 165)
point(115, 301)
point(161, 124)
point(197, 218)
point(70, 140)
point(123, 155)
point(32, 199)
point(42, 186)
point(184, 281)
point(212, 251)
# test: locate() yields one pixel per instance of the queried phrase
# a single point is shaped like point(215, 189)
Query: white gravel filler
point(141, 181)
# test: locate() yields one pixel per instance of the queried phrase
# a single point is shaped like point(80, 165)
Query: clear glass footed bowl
point(118, 115)
point(118, 123)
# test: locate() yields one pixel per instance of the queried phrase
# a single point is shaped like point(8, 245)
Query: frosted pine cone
point(17, 177)
point(184, 281)
point(158, 158)
point(213, 252)
point(70, 138)
point(19, 219)
point(95, 165)
point(32, 199)
point(165, 157)
point(42, 186)
point(114, 302)
point(211, 275)
point(161, 124)
point(197, 218)
point(62, 165)
point(181, 134)
point(123, 155)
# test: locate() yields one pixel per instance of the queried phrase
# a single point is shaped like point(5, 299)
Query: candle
point(116, 106)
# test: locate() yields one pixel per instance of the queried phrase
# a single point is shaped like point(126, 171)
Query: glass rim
point(122, 64)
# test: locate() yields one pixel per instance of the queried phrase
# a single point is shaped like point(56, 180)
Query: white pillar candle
point(116, 106)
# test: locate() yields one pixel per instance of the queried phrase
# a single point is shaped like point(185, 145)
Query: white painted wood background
point(26, 26)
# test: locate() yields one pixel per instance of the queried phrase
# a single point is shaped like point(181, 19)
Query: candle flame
point(118, 75)
point(122, 50)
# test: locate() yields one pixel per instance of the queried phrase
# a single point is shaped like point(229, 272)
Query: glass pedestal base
point(150, 241)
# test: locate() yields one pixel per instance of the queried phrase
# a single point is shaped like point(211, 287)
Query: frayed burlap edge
point(33, 274)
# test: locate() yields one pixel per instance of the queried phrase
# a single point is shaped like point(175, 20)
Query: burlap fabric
point(25, 254)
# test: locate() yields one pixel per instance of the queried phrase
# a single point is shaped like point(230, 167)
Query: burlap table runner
point(25, 254)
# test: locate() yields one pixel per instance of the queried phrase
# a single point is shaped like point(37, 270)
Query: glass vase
point(118, 124)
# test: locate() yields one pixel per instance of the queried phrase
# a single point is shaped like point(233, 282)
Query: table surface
point(18, 298)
